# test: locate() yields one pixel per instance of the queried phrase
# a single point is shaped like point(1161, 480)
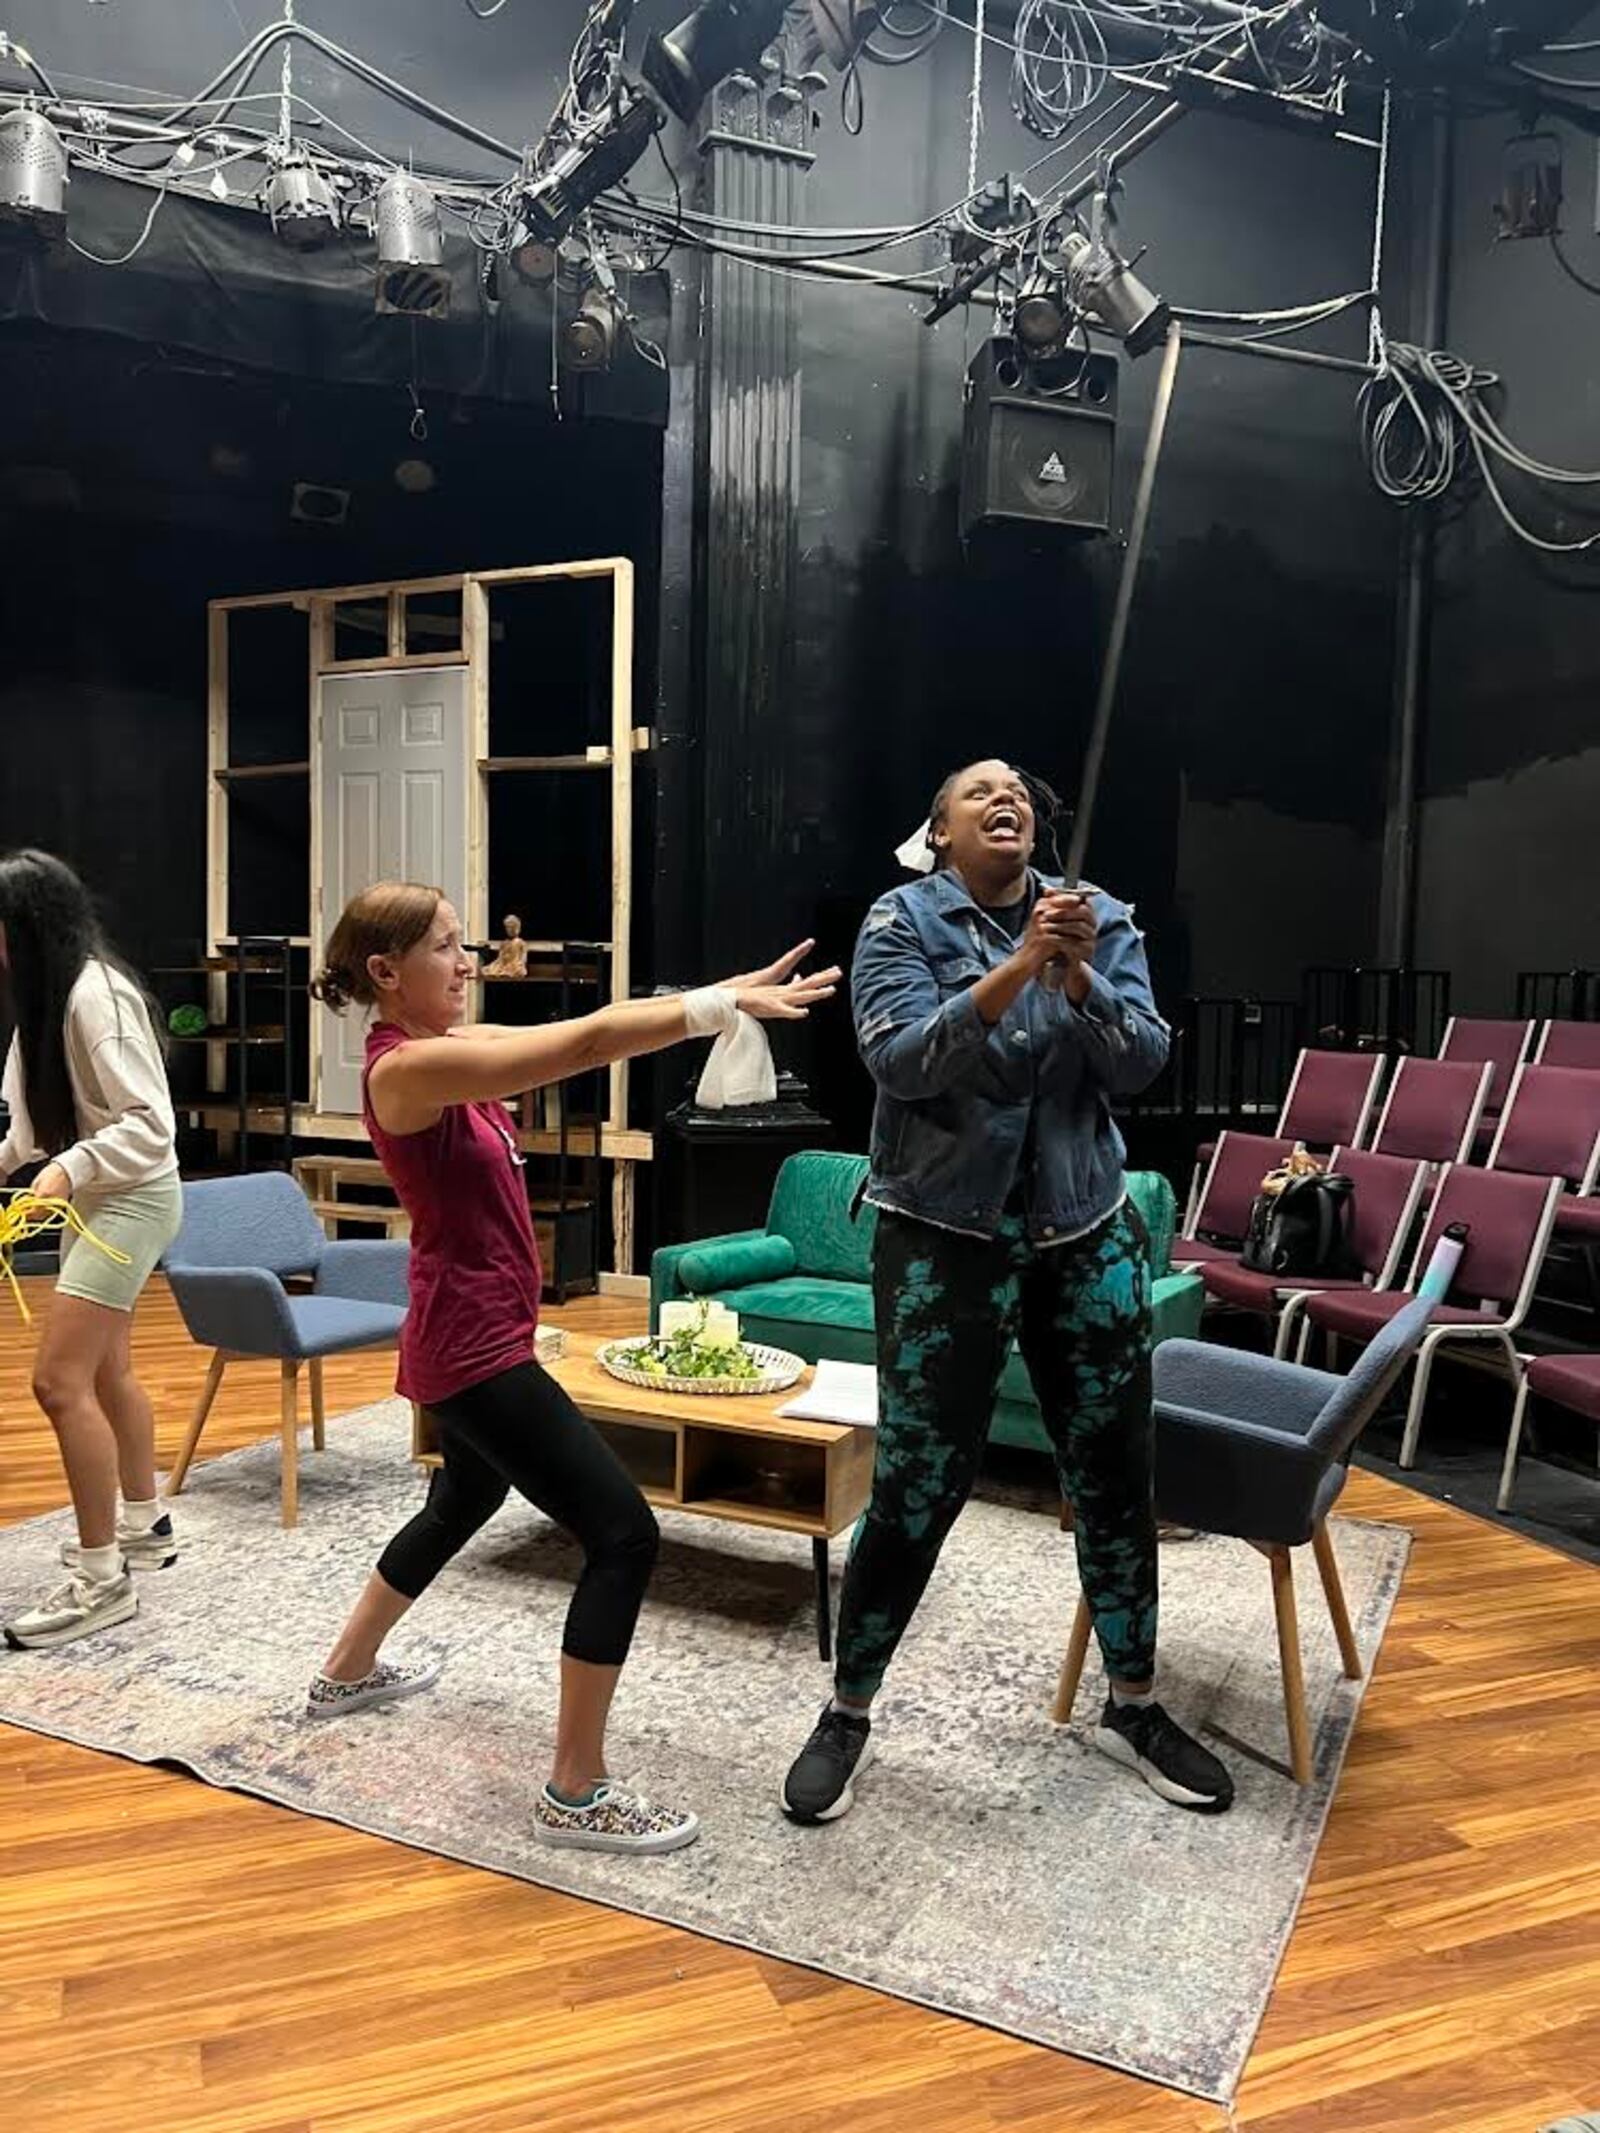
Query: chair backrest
point(1433, 1109)
point(1502, 1045)
point(1508, 1218)
point(263, 1220)
point(1362, 1391)
point(1238, 1164)
point(1331, 1097)
point(1388, 1192)
point(811, 1206)
point(1551, 1125)
point(1570, 1044)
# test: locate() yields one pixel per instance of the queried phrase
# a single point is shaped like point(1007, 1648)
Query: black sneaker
point(820, 1786)
point(1142, 1736)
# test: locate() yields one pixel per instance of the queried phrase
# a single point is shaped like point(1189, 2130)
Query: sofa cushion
point(803, 1299)
point(811, 1204)
point(727, 1264)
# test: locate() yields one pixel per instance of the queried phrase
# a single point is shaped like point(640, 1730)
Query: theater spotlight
point(533, 259)
point(302, 204)
point(843, 27)
point(685, 65)
point(33, 177)
point(411, 277)
point(1106, 290)
point(1040, 319)
point(1530, 187)
point(577, 177)
point(589, 339)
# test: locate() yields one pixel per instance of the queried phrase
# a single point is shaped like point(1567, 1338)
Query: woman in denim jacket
point(999, 1013)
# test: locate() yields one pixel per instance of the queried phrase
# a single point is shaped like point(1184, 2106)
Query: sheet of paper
point(840, 1392)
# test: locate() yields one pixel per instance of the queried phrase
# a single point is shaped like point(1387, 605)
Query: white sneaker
point(76, 1609)
point(147, 1548)
point(617, 1819)
point(327, 1698)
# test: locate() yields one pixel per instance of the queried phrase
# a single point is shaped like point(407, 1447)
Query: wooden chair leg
point(319, 1418)
point(1328, 1566)
point(1072, 1665)
point(1294, 1685)
point(208, 1394)
point(291, 1444)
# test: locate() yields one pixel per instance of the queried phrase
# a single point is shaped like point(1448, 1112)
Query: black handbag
point(1303, 1229)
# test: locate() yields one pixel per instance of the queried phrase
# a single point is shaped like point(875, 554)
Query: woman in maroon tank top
point(434, 1092)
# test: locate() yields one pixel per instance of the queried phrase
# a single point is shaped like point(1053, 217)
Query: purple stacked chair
point(1509, 1220)
point(1551, 1128)
point(1383, 1207)
point(1221, 1214)
point(1570, 1044)
point(1433, 1109)
point(1328, 1104)
point(1501, 1045)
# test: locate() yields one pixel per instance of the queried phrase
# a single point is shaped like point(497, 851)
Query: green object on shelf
point(187, 1021)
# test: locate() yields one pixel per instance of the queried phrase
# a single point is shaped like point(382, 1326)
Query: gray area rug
point(995, 1867)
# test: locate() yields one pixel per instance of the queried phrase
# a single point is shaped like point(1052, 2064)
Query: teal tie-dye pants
point(947, 1309)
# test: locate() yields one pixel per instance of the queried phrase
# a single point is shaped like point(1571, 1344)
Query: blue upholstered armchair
point(1258, 1449)
point(241, 1239)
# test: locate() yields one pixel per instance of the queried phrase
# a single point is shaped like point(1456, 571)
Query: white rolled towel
point(740, 1069)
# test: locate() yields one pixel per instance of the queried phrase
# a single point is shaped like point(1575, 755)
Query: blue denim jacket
point(955, 1097)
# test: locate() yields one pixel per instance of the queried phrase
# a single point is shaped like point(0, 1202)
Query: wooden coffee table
point(733, 1458)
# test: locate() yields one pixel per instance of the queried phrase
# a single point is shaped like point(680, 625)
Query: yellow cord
point(25, 1216)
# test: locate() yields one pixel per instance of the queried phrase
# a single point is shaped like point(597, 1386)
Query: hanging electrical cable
point(1425, 420)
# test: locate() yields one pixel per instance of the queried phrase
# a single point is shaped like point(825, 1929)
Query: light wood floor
point(181, 1958)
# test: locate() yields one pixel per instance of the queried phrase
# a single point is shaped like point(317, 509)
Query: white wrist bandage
point(710, 1012)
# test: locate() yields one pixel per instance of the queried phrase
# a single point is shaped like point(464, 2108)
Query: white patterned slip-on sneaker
point(148, 1549)
point(76, 1609)
point(616, 1819)
point(387, 1683)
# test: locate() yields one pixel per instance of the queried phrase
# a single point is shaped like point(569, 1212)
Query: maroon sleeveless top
point(474, 1276)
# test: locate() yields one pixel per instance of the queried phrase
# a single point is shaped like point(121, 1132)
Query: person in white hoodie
point(86, 1087)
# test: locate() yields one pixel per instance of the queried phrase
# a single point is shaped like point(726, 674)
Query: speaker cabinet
point(1039, 441)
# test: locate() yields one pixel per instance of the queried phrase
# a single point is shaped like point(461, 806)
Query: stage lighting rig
point(33, 177)
point(1104, 289)
point(411, 275)
point(1530, 186)
point(580, 170)
point(843, 27)
point(1042, 315)
point(302, 204)
point(589, 340)
point(716, 40)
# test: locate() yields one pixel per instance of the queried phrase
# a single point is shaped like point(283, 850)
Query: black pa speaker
point(1039, 442)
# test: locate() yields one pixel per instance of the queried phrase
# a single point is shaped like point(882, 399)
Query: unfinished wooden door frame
point(622, 1145)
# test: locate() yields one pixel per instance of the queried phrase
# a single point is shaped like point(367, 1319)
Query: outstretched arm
point(412, 1085)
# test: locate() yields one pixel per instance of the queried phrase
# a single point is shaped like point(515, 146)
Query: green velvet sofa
point(805, 1281)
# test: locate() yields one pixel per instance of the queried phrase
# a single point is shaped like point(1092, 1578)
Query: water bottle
point(1443, 1262)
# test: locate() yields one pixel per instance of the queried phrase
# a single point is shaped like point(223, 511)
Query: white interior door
point(393, 775)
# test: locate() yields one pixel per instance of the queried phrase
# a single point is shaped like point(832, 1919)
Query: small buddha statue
point(511, 954)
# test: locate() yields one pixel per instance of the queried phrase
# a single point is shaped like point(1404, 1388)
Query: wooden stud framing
point(216, 828)
point(622, 1182)
point(318, 650)
point(620, 1145)
point(475, 644)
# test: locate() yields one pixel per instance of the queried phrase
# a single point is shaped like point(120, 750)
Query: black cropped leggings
point(520, 1431)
